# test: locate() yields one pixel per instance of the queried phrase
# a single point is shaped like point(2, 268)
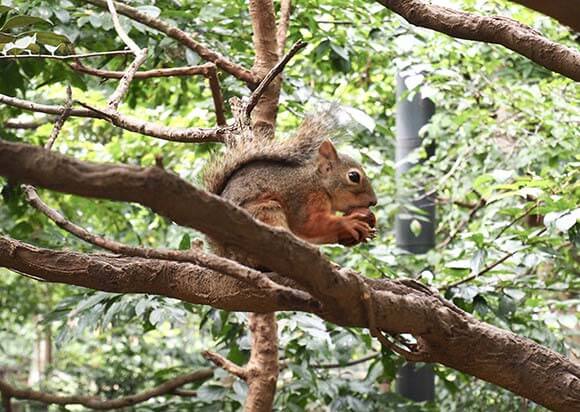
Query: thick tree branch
point(450, 336)
point(494, 29)
point(205, 52)
point(196, 256)
point(120, 274)
point(455, 338)
point(93, 402)
point(132, 124)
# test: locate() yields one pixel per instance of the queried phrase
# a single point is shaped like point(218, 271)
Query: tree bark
point(447, 334)
point(266, 48)
point(493, 29)
point(262, 369)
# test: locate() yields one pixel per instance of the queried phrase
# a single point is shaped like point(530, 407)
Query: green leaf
point(53, 39)
point(185, 242)
point(23, 21)
point(415, 227)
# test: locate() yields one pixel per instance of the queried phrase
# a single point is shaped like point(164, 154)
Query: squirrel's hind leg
point(269, 212)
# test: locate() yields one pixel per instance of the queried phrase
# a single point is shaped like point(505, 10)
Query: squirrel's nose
point(373, 201)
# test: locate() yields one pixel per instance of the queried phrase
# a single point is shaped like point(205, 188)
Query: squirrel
point(299, 184)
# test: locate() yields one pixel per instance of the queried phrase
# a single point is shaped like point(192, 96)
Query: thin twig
point(478, 206)
point(25, 124)
point(132, 124)
point(488, 267)
point(442, 180)
point(208, 70)
point(140, 56)
point(119, 29)
point(126, 80)
point(61, 119)
point(66, 57)
point(146, 74)
point(216, 93)
point(347, 364)
point(226, 364)
point(277, 69)
point(460, 203)
point(517, 219)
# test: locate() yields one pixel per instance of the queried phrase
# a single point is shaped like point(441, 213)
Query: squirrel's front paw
point(355, 229)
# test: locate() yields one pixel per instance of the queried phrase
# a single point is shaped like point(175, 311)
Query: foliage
point(505, 130)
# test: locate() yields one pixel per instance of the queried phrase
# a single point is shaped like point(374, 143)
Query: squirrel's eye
point(354, 176)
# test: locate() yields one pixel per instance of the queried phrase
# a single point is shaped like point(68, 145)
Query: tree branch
point(266, 49)
point(452, 337)
point(120, 274)
point(204, 52)
point(495, 29)
point(221, 362)
point(196, 256)
point(92, 402)
point(25, 124)
point(145, 74)
point(478, 206)
point(120, 31)
point(455, 338)
point(487, 268)
point(283, 24)
point(274, 71)
point(132, 124)
point(66, 57)
point(208, 70)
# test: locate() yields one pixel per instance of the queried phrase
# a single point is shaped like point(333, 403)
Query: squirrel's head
point(344, 180)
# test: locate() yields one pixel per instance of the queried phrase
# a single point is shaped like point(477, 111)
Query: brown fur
point(298, 183)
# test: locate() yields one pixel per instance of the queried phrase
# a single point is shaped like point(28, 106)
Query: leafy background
point(505, 130)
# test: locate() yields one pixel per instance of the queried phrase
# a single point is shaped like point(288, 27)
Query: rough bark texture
point(266, 48)
point(447, 334)
point(262, 369)
point(494, 29)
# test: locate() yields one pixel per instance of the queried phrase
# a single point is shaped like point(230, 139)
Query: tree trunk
point(262, 369)
point(263, 365)
point(266, 48)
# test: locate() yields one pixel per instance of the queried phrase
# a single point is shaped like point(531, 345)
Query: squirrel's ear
point(327, 156)
point(327, 151)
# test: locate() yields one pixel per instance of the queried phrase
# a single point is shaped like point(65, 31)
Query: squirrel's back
point(294, 151)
